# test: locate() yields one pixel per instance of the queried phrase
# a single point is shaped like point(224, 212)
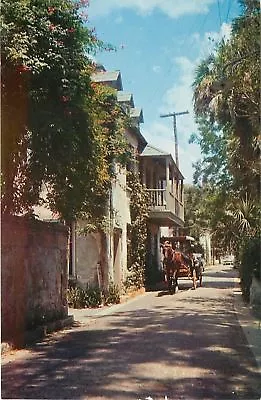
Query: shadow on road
point(180, 346)
point(222, 272)
point(181, 288)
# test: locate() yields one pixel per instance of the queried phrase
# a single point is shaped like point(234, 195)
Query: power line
point(219, 13)
point(174, 115)
point(228, 9)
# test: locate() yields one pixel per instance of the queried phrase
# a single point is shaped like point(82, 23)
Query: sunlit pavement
point(183, 346)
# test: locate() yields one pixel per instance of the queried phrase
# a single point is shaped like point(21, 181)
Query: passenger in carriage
point(193, 269)
point(196, 270)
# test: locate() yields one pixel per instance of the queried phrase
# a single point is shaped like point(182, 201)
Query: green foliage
point(43, 46)
point(226, 103)
point(227, 93)
point(66, 134)
point(110, 122)
point(231, 220)
point(205, 213)
point(137, 235)
point(250, 264)
point(213, 168)
point(197, 211)
point(91, 297)
point(135, 278)
point(112, 294)
point(76, 297)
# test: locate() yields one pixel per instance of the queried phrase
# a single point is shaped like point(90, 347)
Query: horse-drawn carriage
point(180, 262)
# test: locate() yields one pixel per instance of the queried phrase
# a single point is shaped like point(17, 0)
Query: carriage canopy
point(182, 243)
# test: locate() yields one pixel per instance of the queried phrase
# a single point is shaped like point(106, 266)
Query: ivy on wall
point(137, 235)
point(68, 131)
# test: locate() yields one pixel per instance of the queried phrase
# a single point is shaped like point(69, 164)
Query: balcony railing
point(179, 209)
point(162, 199)
point(158, 198)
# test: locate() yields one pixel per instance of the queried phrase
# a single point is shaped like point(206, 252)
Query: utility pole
point(174, 115)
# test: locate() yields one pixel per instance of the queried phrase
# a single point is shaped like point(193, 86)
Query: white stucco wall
point(88, 248)
point(87, 259)
point(121, 217)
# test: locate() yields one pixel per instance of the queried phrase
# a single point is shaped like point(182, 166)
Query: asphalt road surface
point(183, 346)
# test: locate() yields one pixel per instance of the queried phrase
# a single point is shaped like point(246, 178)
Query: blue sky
point(159, 43)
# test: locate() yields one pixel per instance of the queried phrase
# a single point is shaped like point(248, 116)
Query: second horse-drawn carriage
point(179, 261)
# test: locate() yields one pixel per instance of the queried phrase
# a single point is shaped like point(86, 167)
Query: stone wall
point(33, 274)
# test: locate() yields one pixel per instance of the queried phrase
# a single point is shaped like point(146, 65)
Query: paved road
point(185, 346)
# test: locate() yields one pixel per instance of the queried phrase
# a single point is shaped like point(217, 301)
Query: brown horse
point(171, 265)
point(176, 265)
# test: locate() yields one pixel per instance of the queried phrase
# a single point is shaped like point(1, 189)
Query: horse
point(171, 265)
point(177, 265)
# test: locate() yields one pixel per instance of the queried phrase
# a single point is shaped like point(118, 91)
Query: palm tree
point(227, 90)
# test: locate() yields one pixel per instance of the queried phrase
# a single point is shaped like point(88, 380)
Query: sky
point(158, 45)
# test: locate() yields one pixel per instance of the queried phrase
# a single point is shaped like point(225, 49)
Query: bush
point(250, 264)
point(89, 297)
point(76, 297)
point(112, 295)
point(135, 278)
point(93, 296)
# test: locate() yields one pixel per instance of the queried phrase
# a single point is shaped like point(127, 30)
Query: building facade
point(98, 258)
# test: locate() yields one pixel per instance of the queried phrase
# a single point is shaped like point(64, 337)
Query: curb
point(87, 315)
point(251, 327)
point(39, 333)
point(249, 322)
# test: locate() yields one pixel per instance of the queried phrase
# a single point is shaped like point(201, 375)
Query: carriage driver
point(165, 246)
point(195, 269)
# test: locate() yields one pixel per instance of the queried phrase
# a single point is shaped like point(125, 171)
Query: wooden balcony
point(158, 170)
point(165, 208)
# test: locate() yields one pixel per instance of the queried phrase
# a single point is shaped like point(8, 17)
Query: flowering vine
point(46, 84)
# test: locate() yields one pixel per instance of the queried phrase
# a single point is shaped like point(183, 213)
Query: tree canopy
point(226, 100)
point(227, 108)
point(63, 122)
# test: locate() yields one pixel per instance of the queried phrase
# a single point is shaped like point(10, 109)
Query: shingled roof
point(137, 114)
point(110, 78)
point(153, 151)
point(124, 97)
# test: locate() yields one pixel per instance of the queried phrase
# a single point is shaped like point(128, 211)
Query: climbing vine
point(63, 135)
point(139, 208)
point(111, 148)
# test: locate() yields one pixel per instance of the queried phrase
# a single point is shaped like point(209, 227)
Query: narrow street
point(186, 346)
